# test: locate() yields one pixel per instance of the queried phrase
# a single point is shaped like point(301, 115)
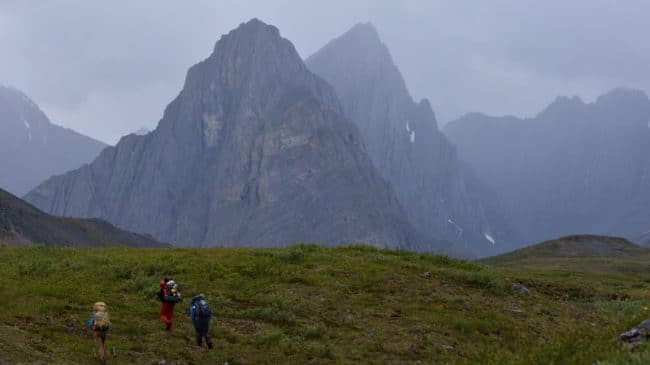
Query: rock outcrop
point(635, 336)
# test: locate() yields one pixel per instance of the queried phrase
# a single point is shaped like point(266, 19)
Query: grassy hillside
point(310, 305)
point(578, 254)
point(21, 223)
point(577, 246)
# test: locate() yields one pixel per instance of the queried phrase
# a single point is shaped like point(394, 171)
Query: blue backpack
point(203, 310)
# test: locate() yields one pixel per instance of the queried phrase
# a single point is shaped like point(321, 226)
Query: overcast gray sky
point(108, 68)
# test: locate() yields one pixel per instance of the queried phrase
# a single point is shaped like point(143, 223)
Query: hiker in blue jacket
point(201, 313)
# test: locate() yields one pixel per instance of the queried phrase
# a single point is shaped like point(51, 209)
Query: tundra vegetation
point(307, 304)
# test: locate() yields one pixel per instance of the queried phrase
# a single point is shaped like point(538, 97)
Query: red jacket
point(167, 306)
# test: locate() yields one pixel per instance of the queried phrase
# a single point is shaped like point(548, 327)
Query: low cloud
point(109, 68)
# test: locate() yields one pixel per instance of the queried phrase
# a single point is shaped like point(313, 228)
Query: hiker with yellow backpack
point(100, 324)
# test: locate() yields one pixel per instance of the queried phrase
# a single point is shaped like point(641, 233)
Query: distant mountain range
point(254, 151)
point(441, 196)
point(21, 224)
point(32, 148)
point(257, 150)
point(574, 168)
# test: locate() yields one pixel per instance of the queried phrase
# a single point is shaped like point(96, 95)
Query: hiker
point(169, 296)
point(201, 313)
point(100, 323)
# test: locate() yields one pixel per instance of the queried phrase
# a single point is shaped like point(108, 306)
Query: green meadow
point(311, 305)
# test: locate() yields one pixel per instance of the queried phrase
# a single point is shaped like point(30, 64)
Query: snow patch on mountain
point(410, 131)
point(459, 230)
point(29, 129)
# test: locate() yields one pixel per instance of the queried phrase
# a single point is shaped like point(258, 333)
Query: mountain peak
point(251, 30)
point(623, 95)
point(257, 63)
point(563, 105)
point(254, 40)
point(253, 56)
point(15, 93)
point(566, 100)
point(363, 31)
point(361, 44)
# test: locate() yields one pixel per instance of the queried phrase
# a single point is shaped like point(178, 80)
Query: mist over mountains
point(574, 168)
point(441, 197)
point(299, 183)
point(32, 148)
point(261, 148)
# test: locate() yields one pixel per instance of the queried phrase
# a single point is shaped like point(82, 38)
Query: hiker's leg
point(167, 314)
point(199, 337)
point(208, 340)
point(163, 313)
point(170, 317)
point(204, 328)
point(104, 348)
point(100, 348)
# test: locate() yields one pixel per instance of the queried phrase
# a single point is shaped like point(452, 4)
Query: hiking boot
point(210, 345)
point(169, 327)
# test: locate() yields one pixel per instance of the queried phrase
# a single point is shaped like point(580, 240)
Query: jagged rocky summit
point(254, 151)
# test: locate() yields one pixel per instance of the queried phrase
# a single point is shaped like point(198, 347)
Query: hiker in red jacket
point(169, 296)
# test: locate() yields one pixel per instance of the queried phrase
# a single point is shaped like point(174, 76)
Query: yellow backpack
point(102, 318)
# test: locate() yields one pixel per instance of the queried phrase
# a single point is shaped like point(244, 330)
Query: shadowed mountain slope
point(22, 223)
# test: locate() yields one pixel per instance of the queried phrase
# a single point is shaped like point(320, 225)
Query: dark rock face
point(32, 148)
point(439, 194)
point(574, 168)
point(254, 151)
point(21, 223)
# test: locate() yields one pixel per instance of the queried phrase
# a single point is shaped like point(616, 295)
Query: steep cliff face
point(575, 168)
point(32, 148)
point(254, 151)
point(440, 195)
